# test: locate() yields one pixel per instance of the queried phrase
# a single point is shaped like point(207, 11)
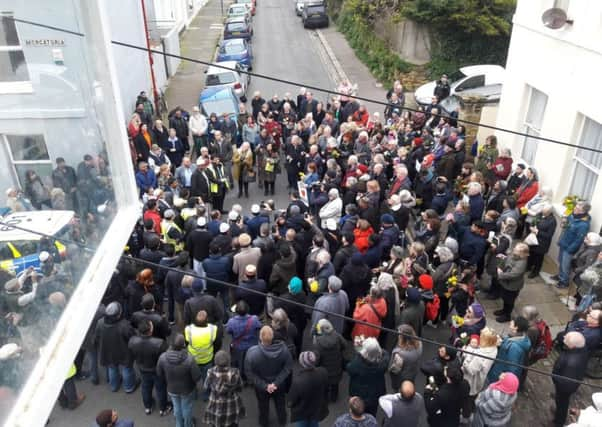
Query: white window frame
point(17, 87)
point(531, 129)
point(578, 161)
point(14, 163)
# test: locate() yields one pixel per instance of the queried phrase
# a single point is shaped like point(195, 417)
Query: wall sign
point(44, 42)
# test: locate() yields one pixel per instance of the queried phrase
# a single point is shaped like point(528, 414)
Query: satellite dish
point(555, 18)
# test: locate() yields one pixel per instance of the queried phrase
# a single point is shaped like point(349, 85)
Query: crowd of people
point(394, 225)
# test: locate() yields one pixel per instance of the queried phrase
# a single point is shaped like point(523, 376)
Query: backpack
point(544, 343)
point(432, 308)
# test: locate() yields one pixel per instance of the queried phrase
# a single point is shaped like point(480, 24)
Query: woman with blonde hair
point(242, 161)
point(163, 177)
point(475, 367)
point(373, 193)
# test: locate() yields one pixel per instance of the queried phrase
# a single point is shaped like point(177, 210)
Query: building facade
point(552, 89)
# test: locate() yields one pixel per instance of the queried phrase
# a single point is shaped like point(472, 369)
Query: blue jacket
point(236, 327)
point(147, 180)
point(217, 267)
point(213, 227)
point(512, 349)
point(472, 246)
point(254, 223)
point(477, 204)
point(573, 235)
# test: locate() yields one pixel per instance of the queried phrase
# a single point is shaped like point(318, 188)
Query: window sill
point(12, 88)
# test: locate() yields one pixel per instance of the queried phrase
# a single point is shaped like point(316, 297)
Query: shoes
point(148, 411)
point(134, 388)
point(503, 318)
point(166, 411)
point(555, 277)
point(498, 312)
point(78, 402)
point(561, 285)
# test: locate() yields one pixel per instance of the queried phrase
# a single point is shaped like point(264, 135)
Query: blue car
point(219, 100)
point(238, 50)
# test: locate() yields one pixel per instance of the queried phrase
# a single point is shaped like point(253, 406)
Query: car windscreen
point(236, 26)
point(238, 10)
point(219, 106)
point(455, 76)
point(315, 9)
point(220, 79)
point(233, 48)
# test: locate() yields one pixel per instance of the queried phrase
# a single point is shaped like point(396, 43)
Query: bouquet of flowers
point(569, 202)
point(452, 282)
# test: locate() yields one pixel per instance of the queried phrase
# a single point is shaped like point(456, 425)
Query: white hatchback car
point(483, 80)
point(234, 78)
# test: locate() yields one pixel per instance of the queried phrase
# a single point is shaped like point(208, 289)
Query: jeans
point(564, 266)
point(93, 365)
point(263, 406)
point(307, 423)
point(121, 372)
point(182, 408)
point(150, 379)
point(204, 368)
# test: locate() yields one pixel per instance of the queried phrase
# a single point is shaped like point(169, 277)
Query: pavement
point(285, 50)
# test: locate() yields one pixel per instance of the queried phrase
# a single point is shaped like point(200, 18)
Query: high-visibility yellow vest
point(166, 226)
point(187, 213)
point(200, 342)
point(72, 371)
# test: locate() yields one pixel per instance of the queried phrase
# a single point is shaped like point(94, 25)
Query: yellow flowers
point(569, 202)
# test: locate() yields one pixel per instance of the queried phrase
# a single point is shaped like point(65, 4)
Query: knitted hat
point(507, 384)
point(307, 359)
point(413, 295)
point(295, 285)
point(477, 309)
point(426, 282)
point(475, 337)
point(387, 219)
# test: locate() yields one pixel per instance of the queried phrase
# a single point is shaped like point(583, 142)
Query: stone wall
point(410, 40)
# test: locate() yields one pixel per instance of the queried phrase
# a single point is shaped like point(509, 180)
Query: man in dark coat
point(180, 124)
point(306, 397)
point(443, 405)
point(112, 335)
point(199, 183)
point(148, 313)
point(344, 253)
point(197, 242)
point(442, 88)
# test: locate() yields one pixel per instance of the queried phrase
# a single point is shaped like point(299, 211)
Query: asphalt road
point(283, 49)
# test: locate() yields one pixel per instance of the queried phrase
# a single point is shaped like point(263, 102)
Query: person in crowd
point(367, 374)
point(225, 407)
point(357, 416)
point(590, 416)
point(372, 309)
point(571, 363)
point(405, 357)
point(335, 301)
point(247, 291)
point(177, 368)
point(543, 229)
point(405, 408)
point(267, 366)
point(514, 348)
point(110, 418)
point(444, 402)
point(306, 397)
point(200, 337)
point(494, 404)
point(412, 313)
point(511, 279)
point(331, 349)
point(247, 255)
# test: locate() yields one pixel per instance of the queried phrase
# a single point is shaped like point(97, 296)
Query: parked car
point(483, 80)
point(238, 50)
point(314, 14)
point(219, 100)
point(238, 28)
point(250, 4)
point(234, 78)
point(238, 9)
point(21, 249)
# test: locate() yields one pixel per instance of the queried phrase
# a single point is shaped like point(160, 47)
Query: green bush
point(383, 63)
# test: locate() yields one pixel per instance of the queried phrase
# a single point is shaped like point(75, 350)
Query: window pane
point(591, 137)
point(8, 32)
point(537, 108)
point(28, 147)
point(530, 146)
point(584, 181)
point(13, 67)
point(43, 170)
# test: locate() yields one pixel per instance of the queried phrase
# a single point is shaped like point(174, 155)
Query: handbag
point(531, 240)
point(250, 176)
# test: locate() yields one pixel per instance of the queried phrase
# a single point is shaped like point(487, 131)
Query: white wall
point(565, 64)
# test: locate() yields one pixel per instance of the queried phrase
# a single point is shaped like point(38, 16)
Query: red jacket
point(524, 194)
point(361, 239)
point(154, 215)
point(364, 312)
point(361, 119)
point(502, 167)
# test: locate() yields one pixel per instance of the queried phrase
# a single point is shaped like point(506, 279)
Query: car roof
point(214, 93)
point(215, 70)
point(232, 41)
point(473, 70)
point(44, 222)
point(239, 18)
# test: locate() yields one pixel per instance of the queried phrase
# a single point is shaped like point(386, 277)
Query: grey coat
point(512, 277)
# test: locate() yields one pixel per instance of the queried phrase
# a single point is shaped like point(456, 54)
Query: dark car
point(314, 15)
point(238, 28)
point(238, 50)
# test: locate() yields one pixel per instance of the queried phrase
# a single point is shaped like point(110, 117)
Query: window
point(471, 83)
point(533, 121)
point(220, 79)
point(14, 76)
point(28, 152)
point(587, 163)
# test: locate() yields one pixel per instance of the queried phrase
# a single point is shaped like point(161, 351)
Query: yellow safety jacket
point(72, 371)
point(166, 226)
point(200, 342)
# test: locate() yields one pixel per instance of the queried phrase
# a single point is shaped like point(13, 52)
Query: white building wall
point(564, 64)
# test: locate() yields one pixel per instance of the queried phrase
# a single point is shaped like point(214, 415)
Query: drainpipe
point(150, 59)
point(165, 58)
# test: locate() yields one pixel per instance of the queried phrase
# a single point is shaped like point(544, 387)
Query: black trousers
point(509, 297)
point(563, 400)
point(443, 308)
point(268, 187)
point(263, 406)
point(243, 187)
point(68, 394)
point(535, 261)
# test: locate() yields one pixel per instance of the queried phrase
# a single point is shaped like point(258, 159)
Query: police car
point(20, 249)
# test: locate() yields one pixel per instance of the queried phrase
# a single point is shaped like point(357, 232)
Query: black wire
point(315, 88)
point(310, 308)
